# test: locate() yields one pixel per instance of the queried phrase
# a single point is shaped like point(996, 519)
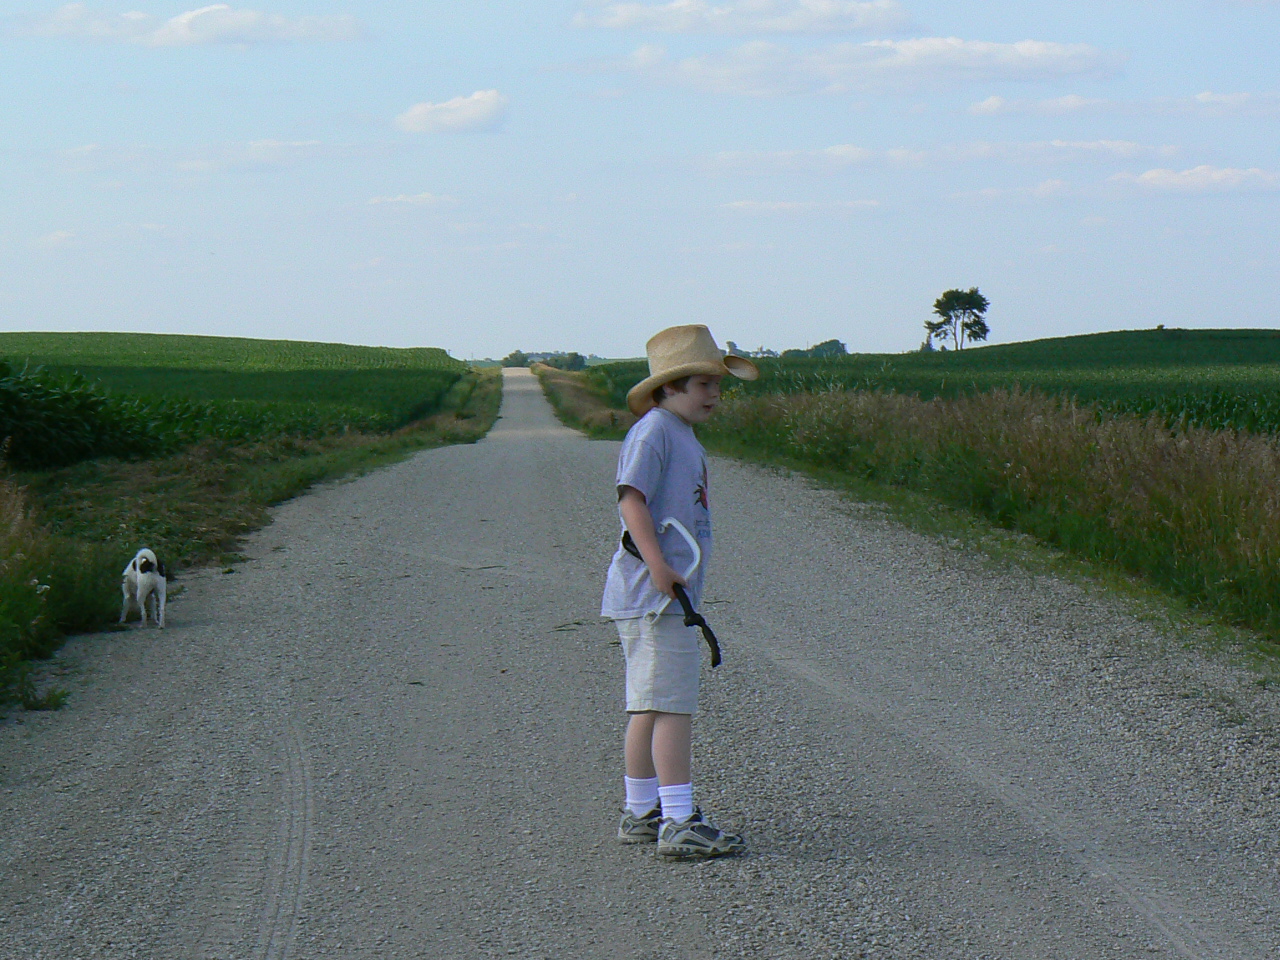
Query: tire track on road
point(287, 879)
point(1165, 916)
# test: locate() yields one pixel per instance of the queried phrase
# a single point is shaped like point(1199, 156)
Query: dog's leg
point(143, 600)
point(161, 590)
point(124, 604)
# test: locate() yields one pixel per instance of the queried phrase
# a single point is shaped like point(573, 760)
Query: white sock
point(642, 795)
point(677, 801)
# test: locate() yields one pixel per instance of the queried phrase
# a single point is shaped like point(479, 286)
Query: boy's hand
point(665, 578)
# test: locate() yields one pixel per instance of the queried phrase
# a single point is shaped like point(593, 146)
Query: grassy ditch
point(66, 532)
point(1194, 512)
point(583, 403)
point(43, 578)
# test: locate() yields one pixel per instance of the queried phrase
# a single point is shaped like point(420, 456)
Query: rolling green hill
point(83, 351)
point(70, 395)
point(1212, 378)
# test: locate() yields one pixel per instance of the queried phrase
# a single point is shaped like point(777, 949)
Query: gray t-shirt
point(662, 459)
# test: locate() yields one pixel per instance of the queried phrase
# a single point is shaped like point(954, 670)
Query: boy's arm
point(639, 522)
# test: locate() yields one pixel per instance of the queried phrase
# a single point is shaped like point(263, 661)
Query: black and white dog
point(144, 581)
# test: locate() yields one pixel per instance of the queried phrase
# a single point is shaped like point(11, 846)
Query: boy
point(662, 473)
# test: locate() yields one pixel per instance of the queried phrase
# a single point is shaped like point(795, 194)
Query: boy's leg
point(641, 815)
point(672, 740)
point(662, 671)
point(641, 780)
point(638, 749)
point(659, 745)
point(672, 746)
point(685, 832)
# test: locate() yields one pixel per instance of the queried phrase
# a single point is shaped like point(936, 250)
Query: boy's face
point(698, 400)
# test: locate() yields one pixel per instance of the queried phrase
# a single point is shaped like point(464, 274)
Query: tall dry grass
point(580, 402)
point(1196, 511)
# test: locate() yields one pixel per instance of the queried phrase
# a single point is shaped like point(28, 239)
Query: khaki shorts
point(664, 660)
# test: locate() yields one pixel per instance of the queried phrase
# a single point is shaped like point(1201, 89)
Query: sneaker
point(697, 837)
point(633, 829)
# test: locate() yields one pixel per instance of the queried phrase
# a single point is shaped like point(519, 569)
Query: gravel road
point(395, 731)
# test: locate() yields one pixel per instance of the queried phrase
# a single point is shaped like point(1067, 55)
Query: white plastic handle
point(680, 528)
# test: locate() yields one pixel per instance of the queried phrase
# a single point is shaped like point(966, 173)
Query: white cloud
point(218, 23)
point(1054, 151)
point(255, 153)
point(786, 207)
point(1068, 104)
point(845, 154)
point(418, 200)
point(737, 246)
point(1203, 179)
point(841, 157)
point(480, 111)
point(210, 158)
point(1232, 104)
point(749, 16)
point(989, 105)
point(1045, 190)
point(768, 206)
point(762, 68)
point(980, 59)
point(1050, 188)
point(1207, 103)
point(58, 238)
point(903, 157)
point(827, 159)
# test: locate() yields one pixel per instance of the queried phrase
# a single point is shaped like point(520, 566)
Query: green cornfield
point(1215, 379)
point(66, 397)
point(125, 351)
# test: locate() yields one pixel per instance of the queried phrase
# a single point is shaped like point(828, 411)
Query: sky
point(577, 174)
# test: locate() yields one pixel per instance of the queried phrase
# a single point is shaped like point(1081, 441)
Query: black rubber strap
point(629, 545)
point(694, 619)
point(691, 617)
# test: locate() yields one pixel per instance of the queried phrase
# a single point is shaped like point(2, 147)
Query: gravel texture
point(395, 731)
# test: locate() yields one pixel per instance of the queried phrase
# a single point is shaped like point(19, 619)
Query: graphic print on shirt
point(701, 494)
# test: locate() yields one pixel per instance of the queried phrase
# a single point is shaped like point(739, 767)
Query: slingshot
point(691, 617)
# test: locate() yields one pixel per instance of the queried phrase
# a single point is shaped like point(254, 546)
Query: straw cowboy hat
point(684, 352)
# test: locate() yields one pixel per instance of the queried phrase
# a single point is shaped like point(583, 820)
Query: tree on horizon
point(961, 314)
